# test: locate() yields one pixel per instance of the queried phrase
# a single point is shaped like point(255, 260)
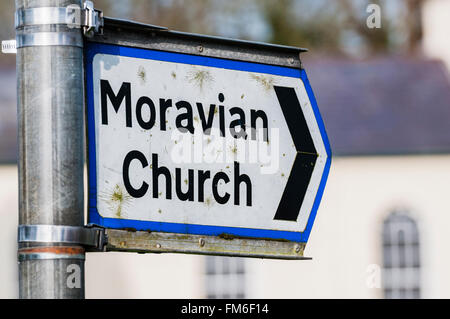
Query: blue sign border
point(91, 49)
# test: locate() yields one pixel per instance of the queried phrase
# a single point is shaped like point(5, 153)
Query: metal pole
point(51, 153)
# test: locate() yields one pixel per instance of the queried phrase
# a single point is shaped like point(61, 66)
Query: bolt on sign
point(200, 144)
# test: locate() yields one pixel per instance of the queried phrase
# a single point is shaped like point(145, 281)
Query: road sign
point(206, 144)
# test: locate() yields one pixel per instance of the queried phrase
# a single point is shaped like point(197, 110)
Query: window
point(225, 277)
point(401, 257)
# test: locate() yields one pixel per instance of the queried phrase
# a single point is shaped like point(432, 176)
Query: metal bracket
point(92, 237)
point(9, 47)
point(93, 20)
point(154, 242)
point(88, 18)
point(49, 39)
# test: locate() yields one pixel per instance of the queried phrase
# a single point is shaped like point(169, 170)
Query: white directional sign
point(199, 145)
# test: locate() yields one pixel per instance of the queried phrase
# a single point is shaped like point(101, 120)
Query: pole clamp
point(93, 20)
point(92, 237)
point(88, 18)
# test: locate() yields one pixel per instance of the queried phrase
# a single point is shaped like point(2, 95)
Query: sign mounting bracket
point(92, 237)
point(93, 20)
point(128, 240)
point(87, 18)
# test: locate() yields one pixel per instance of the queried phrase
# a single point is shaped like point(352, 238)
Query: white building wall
point(436, 29)
point(346, 238)
point(345, 241)
point(9, 219)
point(129, 275)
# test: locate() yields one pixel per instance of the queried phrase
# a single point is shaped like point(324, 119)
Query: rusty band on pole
point(41, 253)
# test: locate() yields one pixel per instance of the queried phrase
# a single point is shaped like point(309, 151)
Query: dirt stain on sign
point(142, 75)
point(117, 199)
point(265, 81)
point(200, 78)
point(209, 202)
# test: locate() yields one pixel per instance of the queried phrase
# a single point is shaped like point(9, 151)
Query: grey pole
point(51, 153)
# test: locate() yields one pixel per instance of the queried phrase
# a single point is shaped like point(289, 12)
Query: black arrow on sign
point(305, 160)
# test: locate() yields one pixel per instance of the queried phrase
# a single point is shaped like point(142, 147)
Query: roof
point(383, 106)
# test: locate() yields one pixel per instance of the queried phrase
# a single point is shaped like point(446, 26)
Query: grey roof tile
point(383, 106)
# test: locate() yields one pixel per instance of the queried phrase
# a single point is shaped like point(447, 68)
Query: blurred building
point(381, 230)
point(436, 25)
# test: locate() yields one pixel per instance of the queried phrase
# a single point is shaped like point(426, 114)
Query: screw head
point(297, 248)
point(158, 246)
point(291, 60)
point(200, 48)
point(201, 242)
